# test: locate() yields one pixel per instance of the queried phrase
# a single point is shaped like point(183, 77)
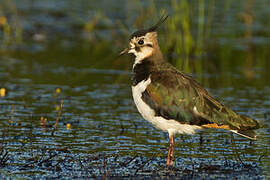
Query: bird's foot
point(170, 161)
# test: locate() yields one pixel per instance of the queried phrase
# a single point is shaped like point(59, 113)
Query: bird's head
point(143, 43)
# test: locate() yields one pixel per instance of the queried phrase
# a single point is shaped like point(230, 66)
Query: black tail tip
point(250, 134)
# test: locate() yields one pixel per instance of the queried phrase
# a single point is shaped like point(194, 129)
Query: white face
point(141, 47)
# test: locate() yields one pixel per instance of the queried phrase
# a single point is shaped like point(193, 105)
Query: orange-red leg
point(170, 158)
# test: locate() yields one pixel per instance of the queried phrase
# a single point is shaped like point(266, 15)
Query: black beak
point(124, 51)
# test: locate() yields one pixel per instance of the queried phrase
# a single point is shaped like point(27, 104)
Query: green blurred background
point(200, 36)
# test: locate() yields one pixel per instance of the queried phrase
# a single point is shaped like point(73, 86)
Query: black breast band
point(141, 72)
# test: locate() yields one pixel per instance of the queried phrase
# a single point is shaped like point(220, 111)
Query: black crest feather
point(156, 26)
point(142, 32)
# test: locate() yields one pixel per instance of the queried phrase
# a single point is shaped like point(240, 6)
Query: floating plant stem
point(58, 116)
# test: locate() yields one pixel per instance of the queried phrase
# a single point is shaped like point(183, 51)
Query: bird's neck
point(143, 67)
point(155, 57)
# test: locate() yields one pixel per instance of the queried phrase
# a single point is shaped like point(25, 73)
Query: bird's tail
point(247, 128)
point(250, 134)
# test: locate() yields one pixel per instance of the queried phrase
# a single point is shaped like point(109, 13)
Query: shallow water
point(100, 133)
point(104, 122)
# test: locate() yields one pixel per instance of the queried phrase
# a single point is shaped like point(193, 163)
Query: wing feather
point(177, 96)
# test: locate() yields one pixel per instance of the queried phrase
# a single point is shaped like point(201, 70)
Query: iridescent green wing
point(174, 95)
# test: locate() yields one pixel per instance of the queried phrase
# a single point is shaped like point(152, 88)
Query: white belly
point(171, 126)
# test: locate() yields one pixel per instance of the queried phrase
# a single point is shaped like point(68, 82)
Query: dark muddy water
point(100, 133)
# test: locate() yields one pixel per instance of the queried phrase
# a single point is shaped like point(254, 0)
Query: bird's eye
point(140, 42)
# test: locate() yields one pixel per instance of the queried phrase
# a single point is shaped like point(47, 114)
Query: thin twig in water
point(85, 168)
point(129, 161)
point(4, 157)
point(135, 129)
point(122, 128)
point(105, 163)
point(11, 114)
point(58, 116)
point(141, 167)
point(106, 171)
point(261, 156)
point(47, 159)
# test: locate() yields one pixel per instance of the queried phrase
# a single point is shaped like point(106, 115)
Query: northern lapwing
point(173, 101)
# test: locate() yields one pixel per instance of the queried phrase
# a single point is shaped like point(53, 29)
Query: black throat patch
point(141, 71)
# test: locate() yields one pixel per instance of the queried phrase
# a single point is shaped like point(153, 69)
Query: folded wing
point(174, 95)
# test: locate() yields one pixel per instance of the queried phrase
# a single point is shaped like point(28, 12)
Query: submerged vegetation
point(65, 104)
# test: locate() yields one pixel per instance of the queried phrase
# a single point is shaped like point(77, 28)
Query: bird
point(173, 101)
